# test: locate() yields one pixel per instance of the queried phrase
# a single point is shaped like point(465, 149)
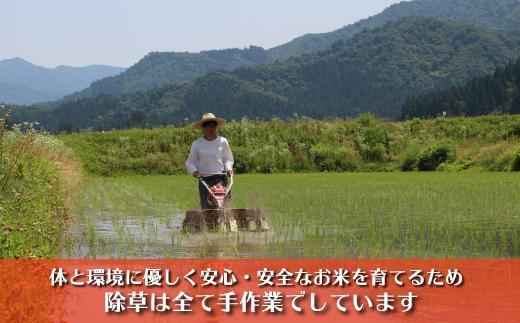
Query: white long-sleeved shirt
point(210, 157)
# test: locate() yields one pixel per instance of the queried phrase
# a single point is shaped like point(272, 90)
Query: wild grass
point(38, 176)
point(302, 145)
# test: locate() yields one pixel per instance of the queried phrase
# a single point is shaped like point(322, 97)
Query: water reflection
point(98, 235)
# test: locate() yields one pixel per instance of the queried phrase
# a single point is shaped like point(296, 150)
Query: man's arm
point(191, 162)
point(227, 158)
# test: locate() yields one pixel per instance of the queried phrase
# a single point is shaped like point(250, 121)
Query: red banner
point(259, 290)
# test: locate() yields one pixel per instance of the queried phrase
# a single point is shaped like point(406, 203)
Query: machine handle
point(228, 188)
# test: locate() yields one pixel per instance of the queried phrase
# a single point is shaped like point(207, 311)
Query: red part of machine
point(218, 195)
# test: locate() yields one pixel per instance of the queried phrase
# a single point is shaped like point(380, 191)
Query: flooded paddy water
point(310, 215)
point(156, 237)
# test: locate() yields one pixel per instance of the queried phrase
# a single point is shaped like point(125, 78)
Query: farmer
point(210, 156)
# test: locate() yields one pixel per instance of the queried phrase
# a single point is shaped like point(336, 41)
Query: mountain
point(162, 68)
point(494, 15)
point(375, 71)
point(496, 93)
point(24, 83)
point(372, 72)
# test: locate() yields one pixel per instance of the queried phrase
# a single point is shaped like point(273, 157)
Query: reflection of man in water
point(210, 156)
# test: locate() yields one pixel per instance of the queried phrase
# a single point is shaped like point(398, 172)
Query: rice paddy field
point(316, 215)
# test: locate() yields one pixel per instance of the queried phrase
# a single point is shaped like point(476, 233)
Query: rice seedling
point(419, 215)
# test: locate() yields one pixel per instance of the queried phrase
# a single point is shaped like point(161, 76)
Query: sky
point(120, 32)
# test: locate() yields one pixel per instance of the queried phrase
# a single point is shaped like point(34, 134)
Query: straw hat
point(208, 117)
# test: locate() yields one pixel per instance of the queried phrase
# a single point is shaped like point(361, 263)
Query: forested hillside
point(373, 72)
point(160, 68)
point(494, 15)
point(497, 93)
point(163, 68)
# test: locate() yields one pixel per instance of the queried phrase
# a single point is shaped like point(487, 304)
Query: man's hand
point(196, 173)
point(229, 172)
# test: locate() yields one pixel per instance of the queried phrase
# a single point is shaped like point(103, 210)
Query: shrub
point(414, 126)
point(514, 130)
point(508, 160)
point(488, 154)
point(468, 160)
point(331, 158)
point(516, 163)
point(372, 143)
point(409, 162)
point(434, 155)
point(367, 119)
point(160, 163)
point(242, 162)
point(280, 146)
point(265, 159)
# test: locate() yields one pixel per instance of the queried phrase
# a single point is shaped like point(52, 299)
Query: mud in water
point(100, 235)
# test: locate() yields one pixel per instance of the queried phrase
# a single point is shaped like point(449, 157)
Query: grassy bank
point(363, 144)
point(38, 174)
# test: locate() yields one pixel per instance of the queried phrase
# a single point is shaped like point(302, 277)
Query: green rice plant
point(408, 215)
